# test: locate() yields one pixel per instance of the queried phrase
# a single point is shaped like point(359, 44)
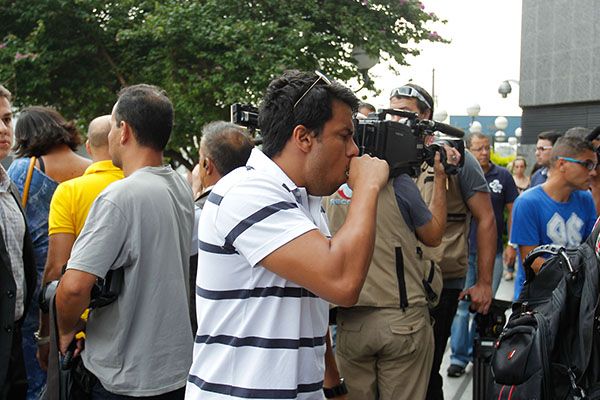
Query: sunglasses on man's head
point(320, 77)
point(409, 91)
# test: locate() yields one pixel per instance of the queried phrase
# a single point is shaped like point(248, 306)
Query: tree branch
point(109, 59)
point(178, 159)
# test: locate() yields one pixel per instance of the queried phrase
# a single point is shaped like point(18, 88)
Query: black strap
point(429, 292)
point(401, 281)
point(42, 165)
point(431, 272)
point(458, 217)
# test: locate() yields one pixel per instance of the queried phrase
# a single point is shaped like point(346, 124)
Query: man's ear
point(303, 138)
point(88, 148)
point(208, 166)
point(126, 133)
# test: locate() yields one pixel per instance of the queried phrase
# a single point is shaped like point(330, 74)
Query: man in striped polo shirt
point(267, 266)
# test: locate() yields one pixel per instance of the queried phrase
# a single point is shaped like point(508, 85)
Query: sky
point(485, 49)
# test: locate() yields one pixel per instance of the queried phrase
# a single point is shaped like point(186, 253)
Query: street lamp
point(501, 123)
point(440, 115)
point(475, 127)
point(504, 89)
point(364, 62)
point(473, 111)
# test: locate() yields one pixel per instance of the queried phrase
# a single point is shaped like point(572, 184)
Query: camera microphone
point(444, 128)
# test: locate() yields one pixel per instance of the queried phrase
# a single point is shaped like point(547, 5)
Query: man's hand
point(509, 256)
point(452, 155)
point(42, 354)
point(481, 297)
point(367, 170)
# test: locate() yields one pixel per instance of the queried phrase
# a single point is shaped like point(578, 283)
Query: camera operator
point(467, 195)
point(267, 266)
point(385, 342)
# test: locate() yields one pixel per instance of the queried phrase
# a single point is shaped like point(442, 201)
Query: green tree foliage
point(75, 55)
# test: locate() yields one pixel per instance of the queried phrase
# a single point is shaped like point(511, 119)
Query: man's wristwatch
point(338, 390)
point(40, 340)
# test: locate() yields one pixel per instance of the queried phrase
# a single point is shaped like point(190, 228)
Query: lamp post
point(501, 123)
point(364, 62)
point(440, 115)
point(504, 89)
point(473, 111)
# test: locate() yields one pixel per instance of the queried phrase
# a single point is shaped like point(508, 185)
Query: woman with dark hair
point(46, 140)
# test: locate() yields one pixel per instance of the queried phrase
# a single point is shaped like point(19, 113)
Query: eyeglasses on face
point(588, 164)
point(481, 148)
point(320, 77)
point(408, 91)
point(542, 148)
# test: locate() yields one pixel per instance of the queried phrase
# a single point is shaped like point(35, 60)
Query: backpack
point(550, 347)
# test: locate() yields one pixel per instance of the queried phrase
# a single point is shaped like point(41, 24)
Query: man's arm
point(59, 250)
point(335, 269)
point(432, 232)
point(72, 298)
point(510, 253)
point(537, 263)
point(332, 375)
point(480, 205)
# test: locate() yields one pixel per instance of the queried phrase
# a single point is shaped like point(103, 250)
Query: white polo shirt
point(259, 335)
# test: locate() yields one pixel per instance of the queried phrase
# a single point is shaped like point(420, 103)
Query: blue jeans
point(519, 278)
point(41, 190)
point(462, 335)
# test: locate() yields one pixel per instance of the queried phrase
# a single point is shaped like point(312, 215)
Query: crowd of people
point(228, 285)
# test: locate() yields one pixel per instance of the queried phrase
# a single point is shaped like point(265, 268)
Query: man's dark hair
point(551, 136)
point(148, 110)
point(277, 115)
point(368, 106)
point(477, 135)
point(569, 147)
point(226, 145)
point(4, 92)
point(39, 129)
point(420, 104)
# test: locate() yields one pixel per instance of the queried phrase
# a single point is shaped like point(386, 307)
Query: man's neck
point(141, 160)
point(556, 188)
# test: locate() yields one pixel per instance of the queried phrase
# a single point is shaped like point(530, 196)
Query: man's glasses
point(481, 148)
point(588, 164)
point(408, 91)
point(320, 77)
point(542, 148)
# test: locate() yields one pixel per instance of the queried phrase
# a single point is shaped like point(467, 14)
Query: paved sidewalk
point(462, 388)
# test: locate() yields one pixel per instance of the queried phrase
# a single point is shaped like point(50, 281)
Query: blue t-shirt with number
point(538, 219)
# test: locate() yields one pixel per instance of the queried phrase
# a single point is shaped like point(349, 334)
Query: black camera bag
point(550, 347)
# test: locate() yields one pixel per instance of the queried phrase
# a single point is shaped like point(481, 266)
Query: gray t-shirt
point(471, 177)
point(140, 345)
point(411, 204)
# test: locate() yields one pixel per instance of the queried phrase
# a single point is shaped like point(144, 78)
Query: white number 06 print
point(565, 234)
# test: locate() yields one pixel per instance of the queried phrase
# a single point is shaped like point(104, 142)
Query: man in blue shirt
point(560, 211)
point(503, 192)
point(542, 156)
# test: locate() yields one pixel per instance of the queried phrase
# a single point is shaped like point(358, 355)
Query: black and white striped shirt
point(259, 335)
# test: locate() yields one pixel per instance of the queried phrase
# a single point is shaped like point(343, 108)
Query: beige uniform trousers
point(385, 353)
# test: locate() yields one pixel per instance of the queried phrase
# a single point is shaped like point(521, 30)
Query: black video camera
point(402, 144)
point(246, 115)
